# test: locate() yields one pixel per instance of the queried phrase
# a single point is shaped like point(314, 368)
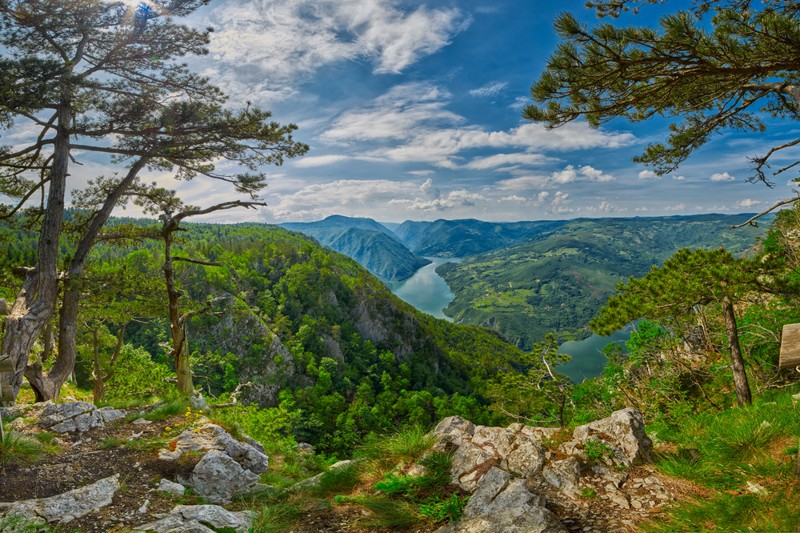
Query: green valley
point(558, 281)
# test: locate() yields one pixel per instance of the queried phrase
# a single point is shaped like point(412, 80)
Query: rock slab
point(69, 506)
point(200, 519)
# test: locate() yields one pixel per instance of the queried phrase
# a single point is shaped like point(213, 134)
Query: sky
point(413, 111)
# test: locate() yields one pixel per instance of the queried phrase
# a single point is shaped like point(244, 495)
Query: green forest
point(293, 344)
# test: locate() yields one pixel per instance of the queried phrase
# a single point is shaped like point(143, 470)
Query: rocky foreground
point(521, 478)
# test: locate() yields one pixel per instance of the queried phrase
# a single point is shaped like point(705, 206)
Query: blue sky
point(413, 109)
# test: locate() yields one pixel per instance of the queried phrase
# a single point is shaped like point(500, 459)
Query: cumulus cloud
point(648, 175)
point(317, 201)
point(747, 202)
point(451, 200)
point(320, 160)
point(678, 178)
point(498, 160)
point(279, 42)
point(490, 89)
point(584, 173)
point(415, 118)
point(723, 176)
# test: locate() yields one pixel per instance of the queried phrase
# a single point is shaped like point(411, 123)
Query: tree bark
point(36, 301)
point(177, 323)
point(743, 395)
point(48, 386)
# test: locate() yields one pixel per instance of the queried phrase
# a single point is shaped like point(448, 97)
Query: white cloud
point(275, 43)
point(316, 201)
point(677, 207)
point(520, 102)
point(414, 117)
point(724, 176)
point(498, 160)
point(584, 173)
point(490, 89)
point(319, 160)
point(514, 198)
point(648, 175)
point(559, 199)
point(428, 188)
point(747, 202)
point(453, 199)
point(678, 178)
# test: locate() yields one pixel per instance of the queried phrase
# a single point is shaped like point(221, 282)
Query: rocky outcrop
point(200, 519)
point(250, 454)
point(622, 434)
point(503, 503)
point(513, 472)
point(77, 417)
point(227, 468)
point(69, 506)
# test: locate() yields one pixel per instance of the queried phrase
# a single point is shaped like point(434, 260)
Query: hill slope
point(371, 244)
point(462, 238)
point(557, 283)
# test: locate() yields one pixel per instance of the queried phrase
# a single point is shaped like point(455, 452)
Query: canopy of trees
point(89, 75)
point(726, 65)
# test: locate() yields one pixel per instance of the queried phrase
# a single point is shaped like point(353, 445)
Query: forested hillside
point(311, 330)
point(556, 283)
point(462, 238)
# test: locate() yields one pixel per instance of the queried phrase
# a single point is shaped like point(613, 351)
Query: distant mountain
point(462, 238)
point(556, 283)
point(370, 243)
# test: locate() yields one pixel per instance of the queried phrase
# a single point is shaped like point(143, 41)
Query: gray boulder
point(218, 478)
point(563, 475)
point(503, 503)
point(200, 519)
point(171, 487)
point(70, 505)
point(453, 431)
point(622, 432)
point(78, 417)
point(249, 454)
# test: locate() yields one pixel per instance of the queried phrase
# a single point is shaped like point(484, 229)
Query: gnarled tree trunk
point(36, 301)
point(47, 386)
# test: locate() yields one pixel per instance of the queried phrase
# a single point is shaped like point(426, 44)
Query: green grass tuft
point(18, 448)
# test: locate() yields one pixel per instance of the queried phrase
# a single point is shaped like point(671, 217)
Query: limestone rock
point(314, 481)
point(109, 414)
point(200, 519)
point(564, 475)
point(77, 417)
point(454, 431)
point(171, 487)
point(469, 464)
point(503, 503)
point(623, 432)
point(218, 478)
point(70, 505)
point(212, 437)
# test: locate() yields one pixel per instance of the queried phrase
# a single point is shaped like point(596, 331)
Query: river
point(587, 360)
point(429, 293)
point(426, 290)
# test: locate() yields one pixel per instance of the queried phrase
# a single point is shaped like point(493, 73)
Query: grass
point(18, 448)
point(405, 446)
point(722, 452)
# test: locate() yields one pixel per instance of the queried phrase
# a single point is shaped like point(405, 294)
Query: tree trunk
point(743, 395)
point(98, 380)
point(48, 386)
point(36, 301)
point(177, 324)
